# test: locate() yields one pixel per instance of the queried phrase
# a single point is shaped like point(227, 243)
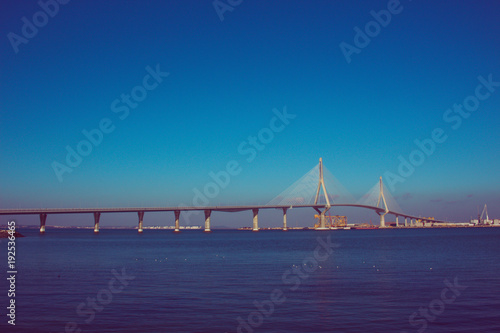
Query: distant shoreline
point(249, 228)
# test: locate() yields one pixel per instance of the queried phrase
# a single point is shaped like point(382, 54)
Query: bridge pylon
point(321, 185)
point(381, 199)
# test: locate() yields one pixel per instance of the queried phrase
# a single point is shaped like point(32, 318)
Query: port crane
point(484, 213)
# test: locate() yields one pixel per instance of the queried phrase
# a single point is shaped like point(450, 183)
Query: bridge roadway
point(43, 212)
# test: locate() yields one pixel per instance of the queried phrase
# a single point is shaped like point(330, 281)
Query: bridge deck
point(194, 208)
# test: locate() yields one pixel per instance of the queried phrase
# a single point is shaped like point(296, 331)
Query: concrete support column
point(406, 221)
point(141, 217)
point(284, 219)
point(255, 219)
point(397, 221)
point(97, 215)
point(207, 220)
point(382, 220)
point(177, 214)
point(43, 218)
point(322, 218)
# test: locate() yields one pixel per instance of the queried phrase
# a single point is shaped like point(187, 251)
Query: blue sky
point(225, 79)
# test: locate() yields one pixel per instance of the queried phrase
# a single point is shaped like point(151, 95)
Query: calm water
point(371, 281)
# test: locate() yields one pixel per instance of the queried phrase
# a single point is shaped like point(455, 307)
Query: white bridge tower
point(321, 185)
point(382, 196)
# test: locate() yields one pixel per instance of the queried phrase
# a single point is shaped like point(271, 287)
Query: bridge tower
point(321, 185)
point(381, 198)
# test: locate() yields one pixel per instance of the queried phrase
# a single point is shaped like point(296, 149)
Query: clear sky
point(176, 93)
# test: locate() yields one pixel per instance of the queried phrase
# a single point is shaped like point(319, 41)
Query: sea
point(386, 280)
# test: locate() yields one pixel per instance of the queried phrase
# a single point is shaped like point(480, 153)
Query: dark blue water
point(367, 281)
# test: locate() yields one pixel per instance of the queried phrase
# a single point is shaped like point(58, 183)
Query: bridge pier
point(97, 215)
point(43, 218)
point(406, 221)
point(207, 220)
point(177, 214)
point(284, 219)
point(382, 220)
point(397, 221)
point(322, 222)
point(141, 217)
point(255, 219)
point(322, 218)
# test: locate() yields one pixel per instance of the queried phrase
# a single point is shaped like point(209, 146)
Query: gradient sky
point(225, 78)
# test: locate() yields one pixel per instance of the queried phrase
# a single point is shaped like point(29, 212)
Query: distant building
point(422, 221)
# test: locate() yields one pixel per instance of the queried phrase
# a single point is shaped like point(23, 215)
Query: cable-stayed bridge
point(317, 189)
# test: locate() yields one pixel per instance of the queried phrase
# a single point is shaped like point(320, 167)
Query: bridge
point(300, 195)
